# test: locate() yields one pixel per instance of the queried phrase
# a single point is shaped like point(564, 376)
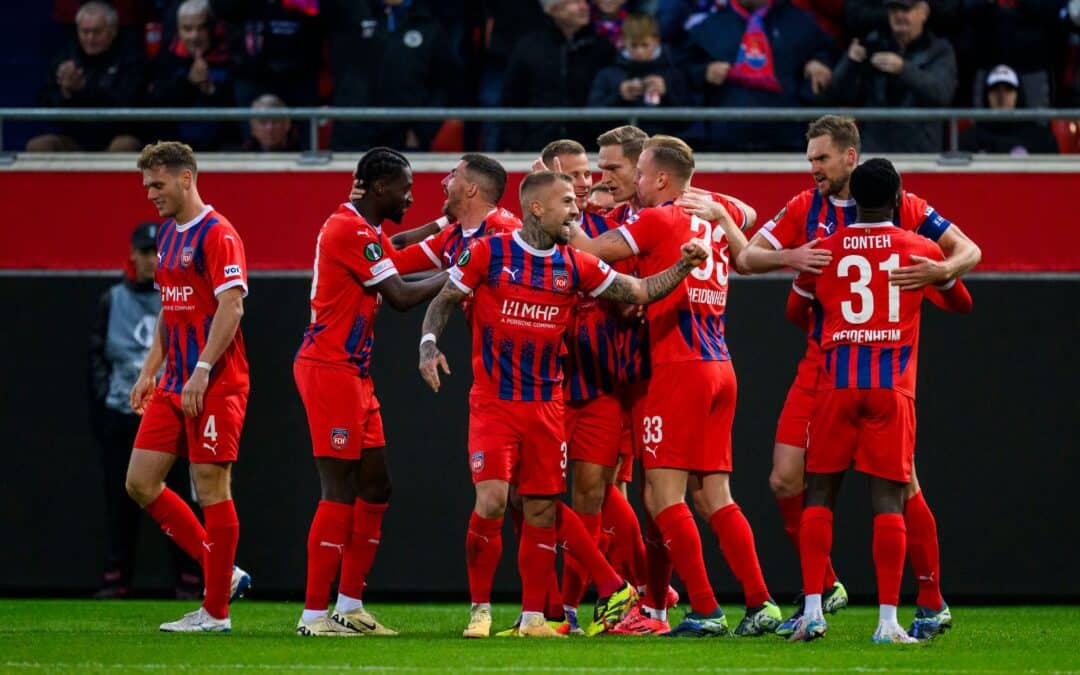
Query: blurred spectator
point(908, 67)
point(862, 17)
point(759, 53)
point(408, 62)
point(829, 14)
point(642, 76)
point(119, 343)
point(271, 135)
point(677, 17)
point(194, 72)
point(608, 17)
point(1015, 138)
point(275, 46)
point(554, 67)
point(91, 72)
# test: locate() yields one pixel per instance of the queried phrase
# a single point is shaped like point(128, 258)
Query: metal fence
point(632, 116)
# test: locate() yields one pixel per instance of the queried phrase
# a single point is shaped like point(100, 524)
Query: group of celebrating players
point(577, 365)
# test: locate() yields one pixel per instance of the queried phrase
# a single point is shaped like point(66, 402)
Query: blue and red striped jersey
point(522, 299)
point(439, 251)
point(197, 261)
point(631, 334)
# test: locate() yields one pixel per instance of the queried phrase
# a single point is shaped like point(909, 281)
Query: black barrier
point(998, 428)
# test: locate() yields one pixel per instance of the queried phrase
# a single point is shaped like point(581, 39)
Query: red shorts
point(633, 410)
point(342, 411)
point(520, 442)
point(794, 422)
point(689, 411)
point(211, 438)
point(873, 427)
point(594, 430)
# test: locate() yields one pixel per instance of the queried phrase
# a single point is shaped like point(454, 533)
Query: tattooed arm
point(630, 289)
point(438, 313)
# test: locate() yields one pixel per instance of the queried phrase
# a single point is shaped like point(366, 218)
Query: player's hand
point(632, 89)
point(194, 392)
point(538, 165)
point(430, 361)
point(819, 74)
point(887, 62)
point(141, 393)
point(702, 205)
point(923, 273)
point(716, 73)
point(695, 252)
point(199, 71)
point(655, 83)
point(856, 52)
point(357, 193)
point(806, 258)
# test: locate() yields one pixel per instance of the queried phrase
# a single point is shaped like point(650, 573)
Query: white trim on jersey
point(382, 274)
point(231, 284)
point(947, 285)
point(766, 232)
point(198, 219)
point(806, 294)
point(545, 253)
point(842, 202)
point(884, 223)
point(430, 254)
point(455, 276)
point(629, 239)
point(604, 286)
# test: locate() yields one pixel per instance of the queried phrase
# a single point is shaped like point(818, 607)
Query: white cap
point(1004, 74)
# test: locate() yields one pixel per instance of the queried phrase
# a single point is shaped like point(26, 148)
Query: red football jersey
point(870, 329)
point(632, 335)
point(521, 307)
point(689, 323)
point(351, 257)
point(197, 261)
point(439, 251)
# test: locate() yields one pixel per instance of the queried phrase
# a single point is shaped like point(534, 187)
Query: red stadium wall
point(80, 220)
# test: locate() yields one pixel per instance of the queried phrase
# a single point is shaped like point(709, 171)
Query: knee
point(589, 498)
point(490, 503)
point(785, 482)
point(143, 491)
point(376, 493)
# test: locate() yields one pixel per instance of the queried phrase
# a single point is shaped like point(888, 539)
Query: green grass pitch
point(80, 636)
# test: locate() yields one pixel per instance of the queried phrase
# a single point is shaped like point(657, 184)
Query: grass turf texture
point(121, 636)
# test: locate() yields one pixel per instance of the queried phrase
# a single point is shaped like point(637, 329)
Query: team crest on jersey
point(186, 256)
point(464, 258)
point(373, 251)
point(339, 438)
point(476, 462)
point(561, 279)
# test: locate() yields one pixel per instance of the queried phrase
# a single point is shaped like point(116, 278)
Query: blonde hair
point(631, 138)
point(673, 155)
point(842, 130)
point(170, 154)
point(638, 26)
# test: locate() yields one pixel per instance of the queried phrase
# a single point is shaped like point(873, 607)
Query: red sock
point(363, 543)
point(683, 542)
point(923, 551)
point(179, 523)
point(627, 544)
point(222, 533)
point(483, 548)
point(574, 578)
point(553, 609)
point(327, 539)
point(737, 544)
point(815, 545)
point(536, 561)
point(657, 566)
point(517, 517)
point(791, 512)
point(890, 540)
point(580, 546)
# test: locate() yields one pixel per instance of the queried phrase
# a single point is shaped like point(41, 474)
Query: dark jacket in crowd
point(1004, 137)
point(114, 79)
point(170, 88)
point(605, 88)
point(862, 17)
point(928, 80)
point(795, 39)
point(400, 58)
point(1026, 34)
point(545, 71)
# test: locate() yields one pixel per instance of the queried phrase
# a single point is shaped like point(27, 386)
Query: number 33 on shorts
point(653, 429)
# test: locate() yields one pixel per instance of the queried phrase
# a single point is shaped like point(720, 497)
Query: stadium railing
point(315, 115)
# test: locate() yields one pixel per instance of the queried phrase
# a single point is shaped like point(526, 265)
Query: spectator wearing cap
point(271, 134)
point(120, 340)
point(759, 53)
point(908, 67)
point(194, 72)
point(554, 66)
point(92, 72)
point(1015, 138)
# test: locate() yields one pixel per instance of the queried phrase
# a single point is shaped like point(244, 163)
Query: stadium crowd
point(543, 53)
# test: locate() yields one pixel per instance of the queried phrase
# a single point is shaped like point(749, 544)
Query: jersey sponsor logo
point(186, 256)
point(373, 251)
point(529, 310)
point(379, 268)
point(339, 438)
point(173, 294)
point(232, 271)
point(464, 258)
point(825, 229)
point(562, 279)
point(707, 296)
point(860, 335)
point(476, 462)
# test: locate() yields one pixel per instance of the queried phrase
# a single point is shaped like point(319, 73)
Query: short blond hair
point(673, 155)
point(639, 26)
point(631, 138)
point(539, 180)
point(169, 154)
point(842, 130)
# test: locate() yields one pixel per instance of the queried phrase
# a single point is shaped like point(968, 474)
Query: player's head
point(143, 254)
point(619, 151)
point(548, 203)
point(475, 177)
point(832, 148)
point(875, 186)
point(169, 170)
point(386, 177)
point(664, 169)
point(573, 161)
point(600, 198)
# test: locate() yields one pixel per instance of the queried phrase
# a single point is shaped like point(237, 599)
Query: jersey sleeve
point(594, 275)
point(361, 252)
point(787, 229)
point(921, 218)
point(738, 214)
point(648, 231)
point(226, 264)
point(471, 268)
point(421, 256)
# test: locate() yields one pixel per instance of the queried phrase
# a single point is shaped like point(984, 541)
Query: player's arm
point(438, 313)
point(144, 386)
point(962, 253)
point(625, 288)
point(419, 234)
point(610, 246)
point(760, 256)
point(799, 302)
point(749, 213)
point(404, 295)
point(952, 297)
point(702, 205)
point(223, 327)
